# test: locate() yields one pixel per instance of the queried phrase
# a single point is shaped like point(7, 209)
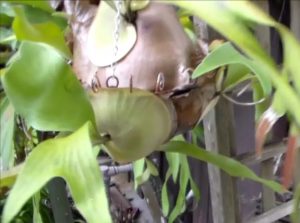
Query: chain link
point(116, 36)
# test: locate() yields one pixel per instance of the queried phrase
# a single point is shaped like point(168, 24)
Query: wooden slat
point(268, 195)
point(263, 32)
point(274, 214)
point(218, 133)
point(295, 18)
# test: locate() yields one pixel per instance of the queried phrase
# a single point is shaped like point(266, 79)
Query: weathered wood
point(274, 214)
point(263, 33)
point(268, 195)
point(295, 18)
point(218, 133)
point(267, 153)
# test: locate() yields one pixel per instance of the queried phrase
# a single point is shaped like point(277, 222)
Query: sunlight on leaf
point(39, 26)
point(43, 89)
point(71, 158)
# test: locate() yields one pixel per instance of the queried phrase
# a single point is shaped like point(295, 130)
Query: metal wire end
point(130, 84)
point(160, 82)
point(95, 84)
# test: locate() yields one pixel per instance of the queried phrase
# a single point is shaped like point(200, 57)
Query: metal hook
point(130, 83)
point(95, 84)
point(112, 85)
point(160, 82)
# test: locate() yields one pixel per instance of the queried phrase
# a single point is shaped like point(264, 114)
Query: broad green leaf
point(227, 54)
point(71, 158)
point(7, 126)
point(236, 73)
point(100, 43)
point(229, 165)
point(43, 89)
point(165, 204)
point(44, 5)
point(5, 20)
point(39, 26)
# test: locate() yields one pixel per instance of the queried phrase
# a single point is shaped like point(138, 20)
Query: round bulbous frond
point(136, 121)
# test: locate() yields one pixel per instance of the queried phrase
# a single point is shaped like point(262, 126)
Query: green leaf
point(141, 174)
point(138, 170)
point(44, 5)
point(236, 73)
point(183, 183)
point(227, 54)
point(296, 213)
point(250, 12)
point(164, 194)
point(8, 178)
point(258, 94)
point(230, 166)
point(7, 125)
point(39, 26)
point(43, 89)
point(174, 164)
point(152, 168)
point(36, 208)
point(71, 158)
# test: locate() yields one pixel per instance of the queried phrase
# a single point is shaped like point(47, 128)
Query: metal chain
point(116, 36)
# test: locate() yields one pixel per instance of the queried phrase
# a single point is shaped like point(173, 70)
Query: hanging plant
point(135, 79)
